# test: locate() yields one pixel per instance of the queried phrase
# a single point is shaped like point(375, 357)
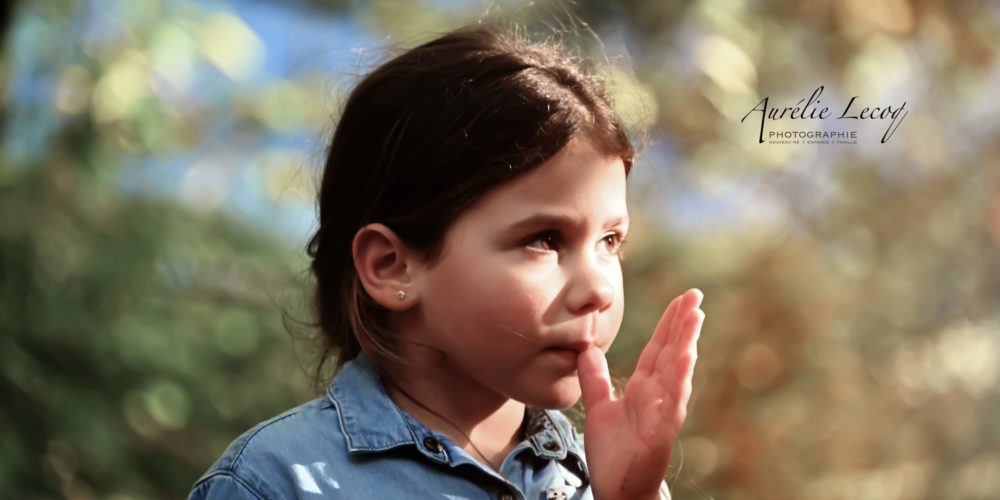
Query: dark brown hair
point(423, 137)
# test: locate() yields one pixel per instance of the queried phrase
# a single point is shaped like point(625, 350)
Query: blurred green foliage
point(156, 159)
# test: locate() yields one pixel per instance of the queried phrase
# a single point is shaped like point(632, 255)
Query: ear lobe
point(381, 264)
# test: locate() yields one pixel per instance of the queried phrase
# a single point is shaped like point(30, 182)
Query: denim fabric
point(356, 443)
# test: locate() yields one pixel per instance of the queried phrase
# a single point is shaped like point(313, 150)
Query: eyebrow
point(542, 220)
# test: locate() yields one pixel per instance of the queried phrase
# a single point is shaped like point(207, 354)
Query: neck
point(484, 423)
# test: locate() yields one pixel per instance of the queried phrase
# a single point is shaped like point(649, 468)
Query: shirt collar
point(358, 393)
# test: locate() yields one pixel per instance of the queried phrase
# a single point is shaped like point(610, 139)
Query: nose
point(590, 289)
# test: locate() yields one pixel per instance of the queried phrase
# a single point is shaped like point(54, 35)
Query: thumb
point(595, 381)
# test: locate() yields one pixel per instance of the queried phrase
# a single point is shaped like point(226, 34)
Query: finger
point(595, 380)
point(690, 330)
point(684, 351)
point(647, 360)
point(692, 300)
point(663, 334)
point(677, 381)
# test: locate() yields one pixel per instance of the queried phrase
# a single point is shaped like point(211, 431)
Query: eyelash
point(619, 238)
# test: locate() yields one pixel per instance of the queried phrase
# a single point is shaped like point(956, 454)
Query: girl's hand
point(629, 440)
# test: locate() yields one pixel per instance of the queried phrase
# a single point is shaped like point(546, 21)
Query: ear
point(380, 259)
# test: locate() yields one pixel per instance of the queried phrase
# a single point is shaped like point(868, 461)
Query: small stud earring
point(400, 295)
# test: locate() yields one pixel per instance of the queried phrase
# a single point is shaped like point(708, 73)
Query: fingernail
point(698, 296)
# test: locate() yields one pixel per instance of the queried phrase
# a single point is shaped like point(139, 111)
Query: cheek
point(512, 301)
point(484, 294)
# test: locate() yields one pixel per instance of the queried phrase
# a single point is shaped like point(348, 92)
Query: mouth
point(577, 347)
point(569, 352)
point(565, 355)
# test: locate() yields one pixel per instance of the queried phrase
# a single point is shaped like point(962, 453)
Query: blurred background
point(159, 159)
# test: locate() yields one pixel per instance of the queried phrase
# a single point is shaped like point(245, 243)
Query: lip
point(576, 347)
point(569, 356)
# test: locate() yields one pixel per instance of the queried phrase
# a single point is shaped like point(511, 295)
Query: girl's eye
point(548, 239)
point(615, 242)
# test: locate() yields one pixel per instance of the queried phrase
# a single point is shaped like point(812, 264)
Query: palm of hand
point(629, 440)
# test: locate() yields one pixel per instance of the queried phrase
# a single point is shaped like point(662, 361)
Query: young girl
point(468, 285)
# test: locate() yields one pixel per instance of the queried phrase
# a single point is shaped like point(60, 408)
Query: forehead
point(577, 179)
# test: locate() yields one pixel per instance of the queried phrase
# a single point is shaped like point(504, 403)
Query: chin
point(558, 396)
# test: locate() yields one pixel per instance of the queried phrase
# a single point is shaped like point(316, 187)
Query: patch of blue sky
point(98, 21)
point(301, 39)
point(37, 51)
point(298, 40)
point(666, 187)
point(233, 159)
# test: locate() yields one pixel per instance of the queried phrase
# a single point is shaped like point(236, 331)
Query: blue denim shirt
point(356, 443)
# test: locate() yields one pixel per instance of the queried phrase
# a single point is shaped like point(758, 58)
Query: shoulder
point(225, 485)
point(310, 423)
point(266, 459)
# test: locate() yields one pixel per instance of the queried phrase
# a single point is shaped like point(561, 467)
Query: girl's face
point(529, 276)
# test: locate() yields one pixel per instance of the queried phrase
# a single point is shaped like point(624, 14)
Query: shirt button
point(551, 446)
point(433, 444)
